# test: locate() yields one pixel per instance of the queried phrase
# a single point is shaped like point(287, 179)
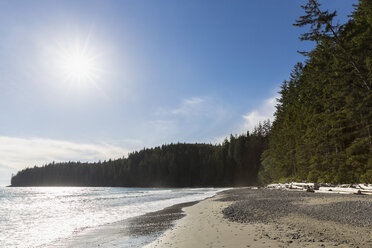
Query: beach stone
point(266, 206)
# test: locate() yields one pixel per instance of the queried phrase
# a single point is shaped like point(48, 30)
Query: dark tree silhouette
point(235, 162)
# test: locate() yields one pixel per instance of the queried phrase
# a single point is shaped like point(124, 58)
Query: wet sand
point(243, 218)
point(134, 232)
point(273, 218)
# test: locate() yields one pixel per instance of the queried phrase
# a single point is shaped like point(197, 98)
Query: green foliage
point(323, 126)
point(322, 130)
point(367, 177)
point(234, 163)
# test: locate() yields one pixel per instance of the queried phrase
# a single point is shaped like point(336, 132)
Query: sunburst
point(78, 63)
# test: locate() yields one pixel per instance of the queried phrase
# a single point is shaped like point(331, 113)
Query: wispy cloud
point(18, 153)
point(194, 100)
point(262, 113)
point(248, 121)
point(193, 105)
point(197, 116)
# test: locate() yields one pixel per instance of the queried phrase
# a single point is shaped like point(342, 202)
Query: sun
point(79, 66)
point(78, 63)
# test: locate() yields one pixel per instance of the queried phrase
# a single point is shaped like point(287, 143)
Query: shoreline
point(133, 232)
point(266, 218)
point(242, 217)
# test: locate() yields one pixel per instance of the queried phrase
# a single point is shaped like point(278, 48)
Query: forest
point(235, 162)
point(322, 127)
point(322, 131)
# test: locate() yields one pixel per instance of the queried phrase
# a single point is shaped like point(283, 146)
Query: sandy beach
point(242, 217)
point(273, 218)
point(134, 232)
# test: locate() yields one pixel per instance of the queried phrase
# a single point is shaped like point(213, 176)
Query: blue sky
point(161, 72)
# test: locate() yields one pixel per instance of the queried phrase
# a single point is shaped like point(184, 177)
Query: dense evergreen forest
point(322, 130)
point(233, 163)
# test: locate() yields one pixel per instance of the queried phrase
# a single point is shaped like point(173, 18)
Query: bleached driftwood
point(324, 187)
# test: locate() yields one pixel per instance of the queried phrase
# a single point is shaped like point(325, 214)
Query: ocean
point(38, 216)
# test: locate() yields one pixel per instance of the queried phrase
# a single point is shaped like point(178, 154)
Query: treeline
point(235, 162)
point(323, 121)
point(322, 130)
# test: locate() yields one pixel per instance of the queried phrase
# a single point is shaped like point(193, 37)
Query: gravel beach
point(266, 205)
point(244, 217)
point(273, 218)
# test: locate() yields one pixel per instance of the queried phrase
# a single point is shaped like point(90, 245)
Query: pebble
point(265, 206)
